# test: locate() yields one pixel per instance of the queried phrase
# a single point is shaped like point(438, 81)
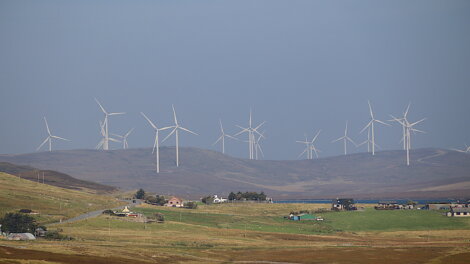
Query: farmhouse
point(343, 204)
point(175, 202)
point(459, 212)
point(219, 199)
point(438, 206)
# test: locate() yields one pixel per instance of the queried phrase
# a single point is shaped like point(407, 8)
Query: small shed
point(21, 236)
point(302, 217)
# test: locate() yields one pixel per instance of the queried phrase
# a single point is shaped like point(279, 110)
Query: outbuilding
point(21, 236)
point(459, 212)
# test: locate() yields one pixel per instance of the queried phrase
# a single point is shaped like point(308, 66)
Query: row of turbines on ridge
point(253, 133)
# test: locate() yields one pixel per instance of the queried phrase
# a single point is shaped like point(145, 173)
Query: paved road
point(97, 213)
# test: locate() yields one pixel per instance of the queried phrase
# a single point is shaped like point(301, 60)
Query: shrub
point(56, 235)
point(18, 223)
point(140, 194)
point(108, 212)
point(190, 205)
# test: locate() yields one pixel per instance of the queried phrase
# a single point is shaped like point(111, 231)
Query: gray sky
point(301, 66)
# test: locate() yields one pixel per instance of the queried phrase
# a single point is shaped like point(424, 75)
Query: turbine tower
point(222, 137)
point(251, 136)
point(105, 144)
point(408, 127)
point(156, 144)
point(345, 139)
point(175, 130)
point(307, 147)
point(49, 137)
point(371, 125)
point(258, 146)
point(124, 138)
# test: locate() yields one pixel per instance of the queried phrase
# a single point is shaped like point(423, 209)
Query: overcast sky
point(300, 65)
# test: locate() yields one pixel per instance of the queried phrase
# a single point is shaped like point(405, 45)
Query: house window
point(458, 213)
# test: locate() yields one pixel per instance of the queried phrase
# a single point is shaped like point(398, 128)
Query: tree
point(18, 223)
point(232, 196)
point(190, 205)
point(208, 199)
point(140, 194)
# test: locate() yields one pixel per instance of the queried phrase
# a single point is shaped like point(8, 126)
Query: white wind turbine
point(369, 142)
point(105, 126)
point(124, 138)
point(49, 137)
point(345, 139)
point(408, 127)
point(175, 130)
point(310, 147)
point(103, 134)
point(371, 125)
point(222, 137)
point(251, 136)
point(156, 144)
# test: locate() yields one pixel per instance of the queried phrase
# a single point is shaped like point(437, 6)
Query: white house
point(219, 199)
point(459, 212)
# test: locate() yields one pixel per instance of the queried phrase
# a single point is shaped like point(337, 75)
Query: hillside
point(52, 178)
point(52, 203)
point(434, 173)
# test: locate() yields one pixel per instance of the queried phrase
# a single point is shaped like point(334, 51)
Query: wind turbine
point(175, 130)
point(371, 125)
point(156, 144)
point(408, 127)
point(103, 133)
point(124, 138)
point(49, 137)
point(310, 147)
point(105, 126)
point(222, 137)
point(345, 139)
point(369, 142)
point(251, 135)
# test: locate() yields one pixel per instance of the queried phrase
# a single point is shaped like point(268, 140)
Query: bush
point(159, 217)
point(156, 200)
point(56, 235)
point(190, 205)
point(108, 212)
point(140, 194)
point(18, 223)
point(208, 199)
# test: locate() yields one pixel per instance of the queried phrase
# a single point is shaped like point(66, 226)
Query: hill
point(53, 178)
point(52, 203)
point(434, 173)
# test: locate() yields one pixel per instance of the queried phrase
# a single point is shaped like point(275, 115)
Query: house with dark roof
point(459, 212)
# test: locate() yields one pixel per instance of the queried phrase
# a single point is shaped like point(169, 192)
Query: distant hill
point(434, 173)
point(51, 202)
point(52, 178)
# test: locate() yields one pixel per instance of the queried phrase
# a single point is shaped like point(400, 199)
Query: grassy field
point(254, 233)
point(53, 203)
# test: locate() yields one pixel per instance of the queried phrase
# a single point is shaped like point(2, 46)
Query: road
point(97, 213)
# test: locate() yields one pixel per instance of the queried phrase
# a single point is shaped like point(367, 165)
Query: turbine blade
point(318, 133)
point(116, 135)
point(120, 113)
point(42, 144)
point(220, 138)
point(150, 121)
point(56, 137)
point(381, 122)
point(128, 133)
point(47, 126)
point(99, 144)
point(155, 142)
point(171, 133)
point(370, 110)
point(366, 126)
point(336, 140)
point(114, 140)
point(102, 108)
point(174, 115)
point(259, 125)
point(417, 122)
point(302, 153)
point(189, 131)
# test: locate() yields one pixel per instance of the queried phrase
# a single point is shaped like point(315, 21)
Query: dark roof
point(460, 210)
